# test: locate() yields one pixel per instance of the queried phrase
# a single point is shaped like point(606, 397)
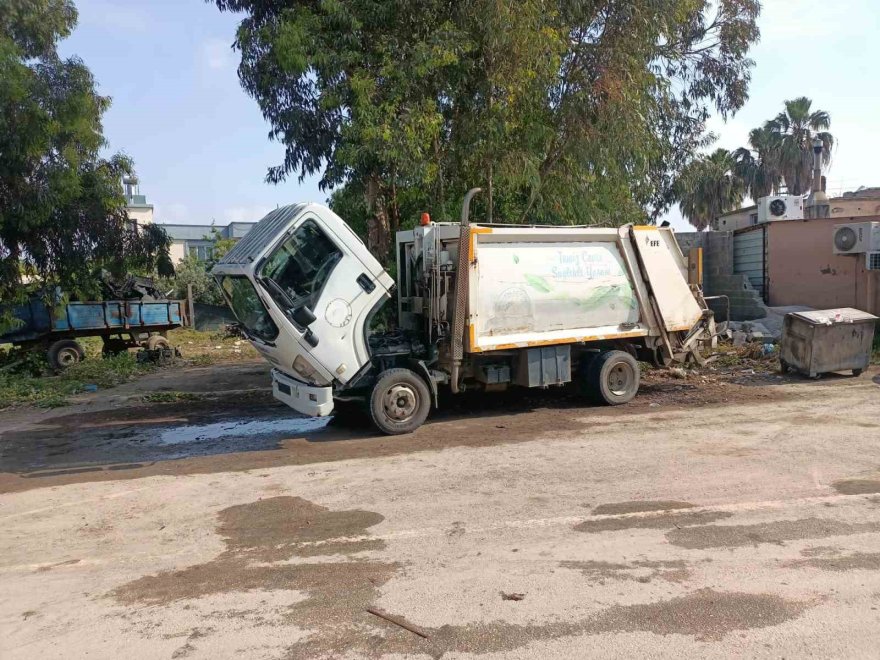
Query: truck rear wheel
point(613, 378)
point(400, 401)
point(64, 353)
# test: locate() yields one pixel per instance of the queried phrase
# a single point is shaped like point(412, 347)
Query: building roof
point(203, 232)
point(862, 193)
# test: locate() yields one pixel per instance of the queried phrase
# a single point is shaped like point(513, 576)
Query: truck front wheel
point(613, 377)
point(400, 401)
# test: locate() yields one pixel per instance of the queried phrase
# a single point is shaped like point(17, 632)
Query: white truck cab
point(303, 287)
point(478, 307)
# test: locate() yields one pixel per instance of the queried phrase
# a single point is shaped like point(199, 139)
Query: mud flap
point(420, 368)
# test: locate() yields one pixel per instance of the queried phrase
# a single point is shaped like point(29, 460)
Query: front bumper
point(310, 400)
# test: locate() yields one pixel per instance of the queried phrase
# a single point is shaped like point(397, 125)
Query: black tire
point(857, 372)
point(64, 353)
point(613, 378)
point(157, 341)
point(400, 401)
point(783, 367)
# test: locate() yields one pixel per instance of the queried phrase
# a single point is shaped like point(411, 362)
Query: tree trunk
point(378, 229)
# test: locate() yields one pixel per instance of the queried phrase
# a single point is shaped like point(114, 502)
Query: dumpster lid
point(828, 316)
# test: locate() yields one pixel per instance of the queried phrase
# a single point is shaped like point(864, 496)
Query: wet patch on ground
point(777, 532)
point(705, 614)
point(281, 527)
point(659, 521)
point(642, 571)
point(827, 558)
point(240, 431)
point(616, 508)
point(857, 486)
point(261, 537)
point(275, 530)
point(78, 444)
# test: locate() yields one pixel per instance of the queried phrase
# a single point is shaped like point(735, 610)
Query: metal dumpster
point(814, 343)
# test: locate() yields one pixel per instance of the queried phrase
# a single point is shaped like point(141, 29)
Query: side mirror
point(304, 316)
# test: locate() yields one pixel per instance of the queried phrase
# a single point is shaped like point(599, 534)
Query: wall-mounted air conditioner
point(856, 238)
point(780, 207)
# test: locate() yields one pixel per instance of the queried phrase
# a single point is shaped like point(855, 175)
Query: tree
point(563, 112)
point(794, 129)
point(758, 165)
point(709, 186)
point(220, 247)
point(62, 212)
point(193, 272)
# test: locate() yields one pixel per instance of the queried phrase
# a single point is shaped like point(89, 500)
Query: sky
point(201, 146)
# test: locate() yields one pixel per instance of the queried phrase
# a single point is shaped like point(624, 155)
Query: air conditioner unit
point(780, 207)
point(856, 238)
point(872, 260)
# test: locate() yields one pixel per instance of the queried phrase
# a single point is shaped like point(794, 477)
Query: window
point(201, 252)
point(300, 267)
point(248, 308)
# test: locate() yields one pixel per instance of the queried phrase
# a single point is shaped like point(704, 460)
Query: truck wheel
point(400, 401)
point(64, 353)
point(613, 378)
point(157, 341)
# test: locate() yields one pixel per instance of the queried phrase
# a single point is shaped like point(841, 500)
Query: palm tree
point(758, 164)
point(795, 129)
point(709, 186)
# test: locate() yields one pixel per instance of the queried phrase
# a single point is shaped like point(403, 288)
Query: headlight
point(304, 368)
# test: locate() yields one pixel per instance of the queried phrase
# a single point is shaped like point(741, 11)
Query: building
point(139, 211)
point(863, 202)
point(782, 263)
point(196, 240)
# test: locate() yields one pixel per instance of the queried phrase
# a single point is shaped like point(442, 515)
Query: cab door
point(317, 267)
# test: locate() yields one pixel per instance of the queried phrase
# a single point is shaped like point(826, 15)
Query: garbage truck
point(479, 306)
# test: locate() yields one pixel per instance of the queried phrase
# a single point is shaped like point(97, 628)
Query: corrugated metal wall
point(750, 256)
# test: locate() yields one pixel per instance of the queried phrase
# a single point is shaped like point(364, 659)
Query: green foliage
point(793, 131)
point(27, 383)
point(758, 164)
point(171, 397)
point(563, 112)
point(198, 273)
point(779, 152)
point(193, 272)
point(709, 186)
point(62, 212)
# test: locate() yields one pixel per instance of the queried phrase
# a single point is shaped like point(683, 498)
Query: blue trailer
point(122, 324)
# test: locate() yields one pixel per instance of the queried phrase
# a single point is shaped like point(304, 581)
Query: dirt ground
point(726, 512)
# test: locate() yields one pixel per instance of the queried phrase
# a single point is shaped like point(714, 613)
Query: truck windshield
point(301, 266)
point(248, 308)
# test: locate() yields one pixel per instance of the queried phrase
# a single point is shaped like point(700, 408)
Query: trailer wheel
point(157, 341)
point(400, 401)
point(64, 353)
point(613, 378)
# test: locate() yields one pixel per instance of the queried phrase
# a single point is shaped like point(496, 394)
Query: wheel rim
point(620, 379)
point(400, 402)
point(68, 356)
